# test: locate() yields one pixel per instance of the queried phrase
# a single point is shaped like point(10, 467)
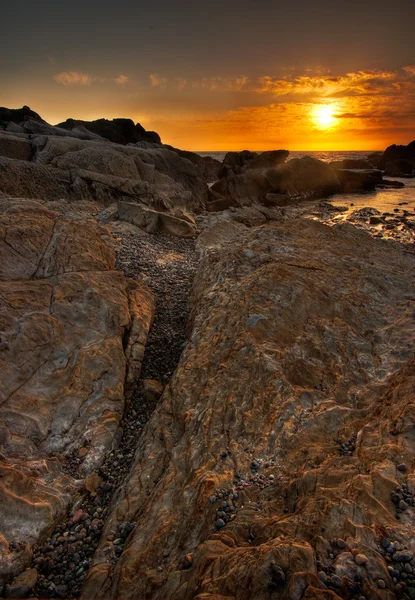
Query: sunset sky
point(219, 75)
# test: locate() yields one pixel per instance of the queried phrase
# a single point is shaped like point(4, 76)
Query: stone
point(360, 559)
point(66, 373)
point(119, 131)
point(331, 300)
point(15, 147)
point(402, 467)
point(22, 585)
point(297, 180)
point(403, 556)
point(153, 221)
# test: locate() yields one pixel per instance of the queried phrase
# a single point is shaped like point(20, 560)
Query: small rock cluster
point(347, 448)
point(402, 498)
point(118, 540)
point(63, 562)
point(227, 508)
point(401, 568)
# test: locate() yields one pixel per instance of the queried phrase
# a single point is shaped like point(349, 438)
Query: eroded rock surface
point(299, 179)
point(302, 335)
point(72, 333)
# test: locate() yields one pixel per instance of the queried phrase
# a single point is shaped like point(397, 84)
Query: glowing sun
point(323, 116)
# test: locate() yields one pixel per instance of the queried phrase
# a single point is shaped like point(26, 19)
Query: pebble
point(360, 559)
point(402, 467)
point(322, 575)
point(381, 584)
point(336, 581)
point(220, 523)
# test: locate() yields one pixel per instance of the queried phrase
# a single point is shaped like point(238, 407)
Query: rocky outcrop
point(72, 339)
point(399, 161)
point(239, 162)
point(299, 179)
point(55, 167)
point(355, 181)
point(119, 131)
point(208, 167)
point(268, 466)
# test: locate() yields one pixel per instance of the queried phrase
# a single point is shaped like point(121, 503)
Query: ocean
point(326, 156)
point(384, 200)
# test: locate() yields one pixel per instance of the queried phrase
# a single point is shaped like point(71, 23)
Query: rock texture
point(268, 467)
point(299, 179)
point(120, 131)
point(399, 160)
point(153, 221)
point(54, 167)
point(239, 162)
point(72, 336)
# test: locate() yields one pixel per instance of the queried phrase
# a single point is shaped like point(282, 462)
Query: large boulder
point(399, 160)
point(72, 339)
point(153, 221)
point(355, 181)
point(207, 166)
point(299, 179)
point(119, 131)
point(239, 162)
point(275, 448)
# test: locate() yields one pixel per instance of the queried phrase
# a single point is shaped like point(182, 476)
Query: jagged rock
point(208, 167)
point(299, 332)
point(18, 115)
point(72, 339)
point(119, 131)
point(153, 221)
point(299, 179)
point(239, 162)
point(396, 153)
point(69, 168)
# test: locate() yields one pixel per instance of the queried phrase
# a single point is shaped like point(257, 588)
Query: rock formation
point(73, 332)
point(268, 467)
point(399, 161)
point(119, 131)
point(299, 179)
point(267, 448)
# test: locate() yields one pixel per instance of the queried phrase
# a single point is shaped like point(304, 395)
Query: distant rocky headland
point(207, 385)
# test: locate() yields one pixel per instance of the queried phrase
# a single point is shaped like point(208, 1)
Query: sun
point(323, 116)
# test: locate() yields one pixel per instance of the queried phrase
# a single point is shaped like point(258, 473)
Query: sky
point(219, 75)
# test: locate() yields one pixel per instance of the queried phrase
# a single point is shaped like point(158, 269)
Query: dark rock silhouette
point(119, 131)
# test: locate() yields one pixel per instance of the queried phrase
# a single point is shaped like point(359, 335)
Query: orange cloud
point(121, 79)
point(157, 81)
point(73, 78)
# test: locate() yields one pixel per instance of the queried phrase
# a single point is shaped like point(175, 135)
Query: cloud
point(157, 81)
point(73, 78)
point(318, 85)
point(222, 84)
point(121, 79)
point(180, 83)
